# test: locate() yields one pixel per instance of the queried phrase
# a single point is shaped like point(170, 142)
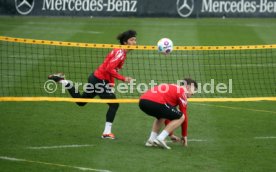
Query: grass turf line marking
point(196, 140)
point(267, 137)
point(52, 164)
point(57, 147)
point(239, 108)
point(191, 140)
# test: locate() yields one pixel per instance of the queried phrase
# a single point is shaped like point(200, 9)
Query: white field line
point(52, 164)
point(201, 140)
point(191, 140)
point(196, 140)
point(58, 147)
point(237, 108)
point(266, 137)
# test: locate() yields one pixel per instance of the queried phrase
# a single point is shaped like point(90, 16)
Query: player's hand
point(184, 141)
point(128, 79)
point(174, 138)
point(117, 69)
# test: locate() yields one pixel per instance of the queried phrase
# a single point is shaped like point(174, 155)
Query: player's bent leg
point(75, 94)
point(56, 77)
point(155, 109)
point(68, 85)
point(88, 93)
point(174, 124)
point(176, 118)
point(157, 124)
point(160, 140)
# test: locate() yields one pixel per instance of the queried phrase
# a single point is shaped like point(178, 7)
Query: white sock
point(153, 136)
point(163, 135)
point(107, 129)
point(64, 82)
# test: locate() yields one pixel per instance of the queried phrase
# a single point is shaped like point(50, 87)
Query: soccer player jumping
point(161, 102)
point(102, 79)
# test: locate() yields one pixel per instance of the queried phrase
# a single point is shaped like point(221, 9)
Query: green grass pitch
point(234, 136)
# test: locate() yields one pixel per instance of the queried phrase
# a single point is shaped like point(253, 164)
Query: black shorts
point(159, 110)
point(100, 87)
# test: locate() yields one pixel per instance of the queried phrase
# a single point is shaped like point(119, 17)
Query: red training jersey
point(113, 62)
point(173, 95)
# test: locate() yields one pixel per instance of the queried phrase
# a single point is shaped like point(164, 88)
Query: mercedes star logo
point(185, 7)
point(24, 7)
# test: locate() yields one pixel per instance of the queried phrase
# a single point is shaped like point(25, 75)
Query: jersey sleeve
point(120, 65)
point(183, 109)
point(116, 62)
point(184, 126)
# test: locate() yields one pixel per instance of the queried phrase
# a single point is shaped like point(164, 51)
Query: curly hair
point(123, 37)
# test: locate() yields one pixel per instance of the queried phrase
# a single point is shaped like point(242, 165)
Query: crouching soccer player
point(161, 102)
point(102, 79)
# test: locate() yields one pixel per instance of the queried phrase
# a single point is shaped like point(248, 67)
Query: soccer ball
point(165, 45)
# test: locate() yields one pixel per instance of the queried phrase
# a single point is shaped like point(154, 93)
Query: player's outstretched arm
point(128, 79)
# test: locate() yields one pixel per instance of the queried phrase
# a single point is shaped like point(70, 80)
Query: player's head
point(127, 37)
point(190, 86)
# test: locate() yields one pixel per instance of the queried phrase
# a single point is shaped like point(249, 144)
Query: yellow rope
point(138, 47)
point(63, 99)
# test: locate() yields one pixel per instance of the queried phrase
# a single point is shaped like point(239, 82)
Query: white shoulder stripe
point(118, 55)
